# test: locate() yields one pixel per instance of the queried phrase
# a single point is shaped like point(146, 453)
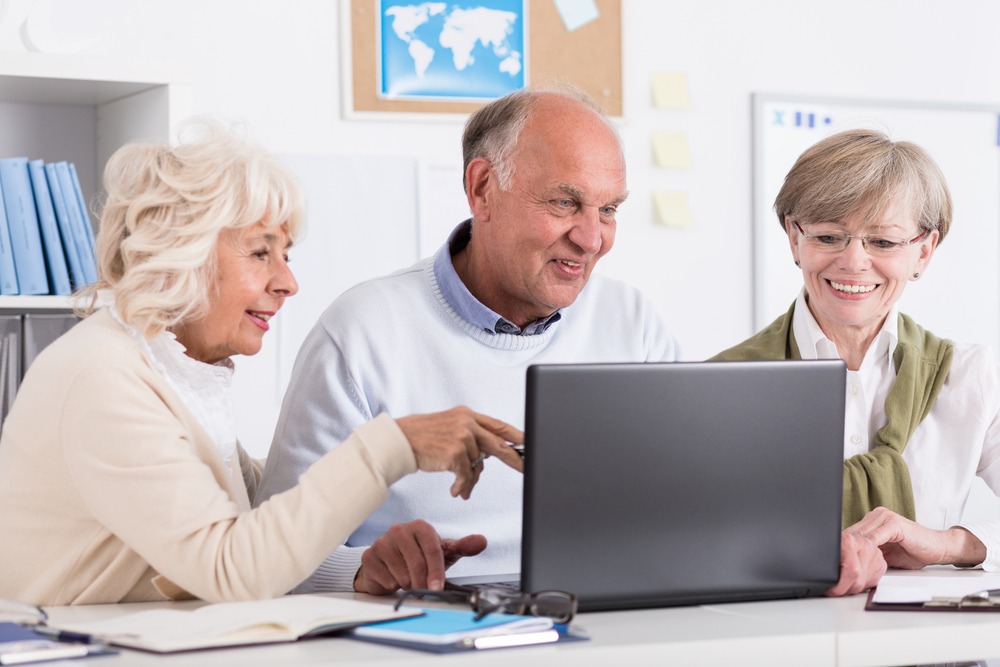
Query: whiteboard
point(361, 223)
point(958, 296)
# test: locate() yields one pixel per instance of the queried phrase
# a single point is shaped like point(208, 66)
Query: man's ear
point(479, 184)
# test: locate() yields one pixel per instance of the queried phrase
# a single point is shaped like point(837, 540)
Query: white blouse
point(206, 389)
point(958, 440)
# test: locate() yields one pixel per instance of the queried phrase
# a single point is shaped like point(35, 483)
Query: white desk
point(814, 632)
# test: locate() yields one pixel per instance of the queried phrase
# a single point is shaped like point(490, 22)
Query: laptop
point(661, 484)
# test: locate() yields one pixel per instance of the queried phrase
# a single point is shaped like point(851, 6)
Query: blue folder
point(22, 220)
point(8, 275)
point(51, 239)
point(71, 248)
point(79, 220)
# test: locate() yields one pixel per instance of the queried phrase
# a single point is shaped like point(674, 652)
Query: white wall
point(277, 64)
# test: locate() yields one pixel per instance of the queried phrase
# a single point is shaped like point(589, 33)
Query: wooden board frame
point(588, 57)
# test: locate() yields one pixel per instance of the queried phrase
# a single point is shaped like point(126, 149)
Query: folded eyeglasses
point(557, 605)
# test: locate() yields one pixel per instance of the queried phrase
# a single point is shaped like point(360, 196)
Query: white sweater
point(395, 345)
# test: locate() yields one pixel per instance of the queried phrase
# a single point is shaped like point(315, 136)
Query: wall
point(277, 65)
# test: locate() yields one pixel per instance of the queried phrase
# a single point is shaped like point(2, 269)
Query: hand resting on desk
point(861, 565)
point(411, 555)
point(909, 546)
point(884, 539)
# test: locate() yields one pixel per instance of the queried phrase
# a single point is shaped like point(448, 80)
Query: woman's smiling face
point(850, 288)
point(252, 282)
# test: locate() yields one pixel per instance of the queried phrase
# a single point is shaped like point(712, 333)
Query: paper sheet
point(905, 589)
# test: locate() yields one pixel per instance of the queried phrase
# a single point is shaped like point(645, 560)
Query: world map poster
point(451, 51)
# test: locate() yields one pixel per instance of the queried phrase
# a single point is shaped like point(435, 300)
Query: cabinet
point(80, 109)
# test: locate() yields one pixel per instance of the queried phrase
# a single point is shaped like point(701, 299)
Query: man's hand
point(411, 555)
point(458, 440)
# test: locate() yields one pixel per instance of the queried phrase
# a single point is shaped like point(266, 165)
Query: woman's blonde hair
point(163, 211)
point(863, 171)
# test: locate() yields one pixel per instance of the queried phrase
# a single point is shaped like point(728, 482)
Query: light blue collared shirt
point(465, 304)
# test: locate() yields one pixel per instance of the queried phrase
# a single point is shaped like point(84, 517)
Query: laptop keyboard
point(514, 585)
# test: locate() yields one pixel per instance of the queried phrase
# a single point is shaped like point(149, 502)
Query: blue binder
point(8, 276)
point(76, 277)
point(51, 239)
point(82, 203)
point(22, 221)
point(74, 215)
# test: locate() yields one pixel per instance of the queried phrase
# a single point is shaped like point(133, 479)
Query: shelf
point(20, 304)
point(82, 109)
point(50, 79)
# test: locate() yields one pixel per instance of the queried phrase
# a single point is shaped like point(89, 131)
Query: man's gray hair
point(492, 131)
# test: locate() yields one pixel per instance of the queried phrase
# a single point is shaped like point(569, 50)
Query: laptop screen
point(682, 483)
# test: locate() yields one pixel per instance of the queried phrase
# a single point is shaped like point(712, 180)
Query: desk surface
point(817, 632)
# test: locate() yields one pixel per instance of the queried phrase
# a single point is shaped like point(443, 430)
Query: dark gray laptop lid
point(683, 483)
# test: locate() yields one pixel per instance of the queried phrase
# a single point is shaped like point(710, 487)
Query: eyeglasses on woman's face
point(827, 237)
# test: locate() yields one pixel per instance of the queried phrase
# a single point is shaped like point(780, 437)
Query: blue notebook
point(20, 645)
point(448, 630)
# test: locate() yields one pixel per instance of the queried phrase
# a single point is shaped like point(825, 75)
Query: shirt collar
point(468, 307)
point(814, 344)
point(205, 389)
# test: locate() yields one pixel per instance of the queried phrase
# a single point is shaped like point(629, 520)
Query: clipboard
point(935, 593)
point(974, 602)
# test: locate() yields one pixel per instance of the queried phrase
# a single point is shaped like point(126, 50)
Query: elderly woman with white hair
point(121, 477)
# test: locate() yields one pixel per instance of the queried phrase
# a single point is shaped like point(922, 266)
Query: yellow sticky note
point(672, 208)
point(670, 90)
point(671, 150)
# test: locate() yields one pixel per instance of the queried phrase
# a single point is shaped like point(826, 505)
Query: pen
point(65, 635)
point(985, 595)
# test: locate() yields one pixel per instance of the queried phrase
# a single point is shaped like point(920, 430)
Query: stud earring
point(916, 274)
point(797, 264)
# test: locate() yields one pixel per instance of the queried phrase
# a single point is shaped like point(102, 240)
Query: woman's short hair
point(863, 171)
point(164, 208)
point(492, 131)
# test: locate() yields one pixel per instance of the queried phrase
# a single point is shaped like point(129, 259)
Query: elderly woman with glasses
point(864, 215)
point(121, 477)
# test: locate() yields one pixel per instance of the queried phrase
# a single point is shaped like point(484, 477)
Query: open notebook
point(282, 619)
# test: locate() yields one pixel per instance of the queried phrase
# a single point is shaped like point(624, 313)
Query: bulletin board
point(958, 296)
point(588, 56)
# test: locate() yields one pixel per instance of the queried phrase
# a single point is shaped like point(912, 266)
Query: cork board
point(589, 57)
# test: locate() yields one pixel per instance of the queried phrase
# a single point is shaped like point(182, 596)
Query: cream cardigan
point(111, 492)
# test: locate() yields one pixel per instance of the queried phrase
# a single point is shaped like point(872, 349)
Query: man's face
point(542, 238)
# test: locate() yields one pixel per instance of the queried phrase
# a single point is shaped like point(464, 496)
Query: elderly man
point(544, 177)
